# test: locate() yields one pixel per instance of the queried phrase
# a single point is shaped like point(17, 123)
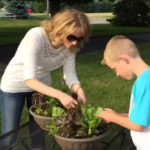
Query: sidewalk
point(98, 20)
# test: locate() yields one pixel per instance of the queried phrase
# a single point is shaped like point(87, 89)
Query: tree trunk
point(48, 7)
point(54, 6)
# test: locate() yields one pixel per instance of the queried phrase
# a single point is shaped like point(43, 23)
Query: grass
point(110, 30)
point(102, 87)
point(12, 31)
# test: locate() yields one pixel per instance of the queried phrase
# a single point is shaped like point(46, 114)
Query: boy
point(122, 56)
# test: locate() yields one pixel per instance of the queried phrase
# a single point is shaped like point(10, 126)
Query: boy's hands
point(107, 114)
point(122, 119)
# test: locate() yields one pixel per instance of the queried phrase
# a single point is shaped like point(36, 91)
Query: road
point(98, 20)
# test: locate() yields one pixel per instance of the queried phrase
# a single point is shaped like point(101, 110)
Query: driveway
point(98, 20)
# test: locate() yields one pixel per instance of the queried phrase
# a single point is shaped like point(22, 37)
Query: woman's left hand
point(81, 96)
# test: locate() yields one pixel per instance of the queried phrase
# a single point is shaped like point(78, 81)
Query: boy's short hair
point(117, 46)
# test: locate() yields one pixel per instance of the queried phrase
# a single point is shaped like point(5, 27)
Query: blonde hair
point(64, 24)
point(117, 46)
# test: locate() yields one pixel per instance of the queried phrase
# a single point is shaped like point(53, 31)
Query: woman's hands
point(64, 98)
point(67, 100)
point(78, 90)
point(81, 95)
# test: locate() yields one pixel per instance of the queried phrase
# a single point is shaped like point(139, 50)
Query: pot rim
point(97, 137)
point(34, 114)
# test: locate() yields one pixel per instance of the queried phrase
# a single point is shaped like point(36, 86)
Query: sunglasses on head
point(72, 38)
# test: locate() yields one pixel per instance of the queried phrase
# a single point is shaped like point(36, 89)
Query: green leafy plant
point(90, 121)
point(47, 106)
point(79, 122)
point(131, 13)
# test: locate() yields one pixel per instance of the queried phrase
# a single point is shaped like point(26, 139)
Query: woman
point(42, 50)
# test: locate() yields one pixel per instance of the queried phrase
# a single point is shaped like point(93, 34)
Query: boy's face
point(122, 69)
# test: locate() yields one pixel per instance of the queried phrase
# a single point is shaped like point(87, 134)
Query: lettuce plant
point(79, 122)
point(47, 106)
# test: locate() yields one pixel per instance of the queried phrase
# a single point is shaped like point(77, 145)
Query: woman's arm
point(121, 119)
point(71, 78)
point(64, 98)
point(78, 90)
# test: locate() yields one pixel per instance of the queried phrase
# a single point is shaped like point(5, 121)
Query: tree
point(54, 6)
point(48, 6)
point(131, 13)
point(76, 2)
point(1, 4)
point(147, 2)
point(17, 8)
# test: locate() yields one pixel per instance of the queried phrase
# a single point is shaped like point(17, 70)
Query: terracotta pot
point(42, 121)
point(79, 143)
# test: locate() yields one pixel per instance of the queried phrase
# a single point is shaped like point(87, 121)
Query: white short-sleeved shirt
point(36, 58)
point(140, 110)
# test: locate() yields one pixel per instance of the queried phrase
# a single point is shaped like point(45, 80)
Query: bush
point(39, 7)
point(17, 7)
point(105, 6)
point(97, 6)
point(131, 13)
point(1, 4)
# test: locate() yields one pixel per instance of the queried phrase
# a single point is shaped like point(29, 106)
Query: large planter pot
point(42, 121)
point(79, 143)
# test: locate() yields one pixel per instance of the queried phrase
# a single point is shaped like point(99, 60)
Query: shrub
point(92, 6)
point(1, 4)
point(17, 7)
point(39, 7)
point(131, 13)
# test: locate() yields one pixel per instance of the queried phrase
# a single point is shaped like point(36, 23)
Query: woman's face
point(72, 39)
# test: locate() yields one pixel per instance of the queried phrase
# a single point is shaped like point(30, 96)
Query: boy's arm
point(109, 116)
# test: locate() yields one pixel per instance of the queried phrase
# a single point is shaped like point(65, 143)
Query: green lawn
point(108, 29)
point(102, 87)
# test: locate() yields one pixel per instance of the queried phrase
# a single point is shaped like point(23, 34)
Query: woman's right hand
point(67, 100)
point(64, 98)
